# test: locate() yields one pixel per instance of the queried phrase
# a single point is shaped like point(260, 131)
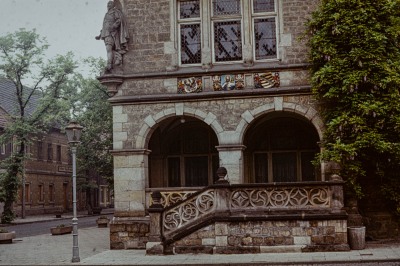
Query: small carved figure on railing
point(115, 35)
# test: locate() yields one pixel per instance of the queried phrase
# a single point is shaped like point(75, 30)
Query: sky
point(68, 25)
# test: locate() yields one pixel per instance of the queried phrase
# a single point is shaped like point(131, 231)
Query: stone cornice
point(233, 147)
point(198, 71)
point(127, 152)
point(214, 95)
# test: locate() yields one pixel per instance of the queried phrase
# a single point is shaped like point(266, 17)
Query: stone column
point(337, 194)
point(154, 245)
point(206, 55)
point(247, 41)
point(231, 157)
point(130, 170)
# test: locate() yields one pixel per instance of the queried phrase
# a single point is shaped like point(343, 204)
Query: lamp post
point(74, 131)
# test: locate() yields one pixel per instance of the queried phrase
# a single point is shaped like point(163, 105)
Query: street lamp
point(74, 131)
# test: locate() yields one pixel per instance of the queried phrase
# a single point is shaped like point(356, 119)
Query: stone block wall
point(149, 29)
point(129, 233)
point(152, 48)
point(295, 15)
point(266, 236)
point(130, 120)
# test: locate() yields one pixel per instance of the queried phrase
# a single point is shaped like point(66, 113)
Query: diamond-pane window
point(189, 9)
point(190, 44)
point(263, 6)
point(211, 30)
point(227, 41)
point(226, 7)
point(265, 38)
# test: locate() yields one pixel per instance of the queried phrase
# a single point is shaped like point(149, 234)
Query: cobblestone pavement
point(94, 250)
point(50, 249)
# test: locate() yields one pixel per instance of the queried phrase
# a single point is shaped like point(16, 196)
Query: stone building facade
point(208, 84)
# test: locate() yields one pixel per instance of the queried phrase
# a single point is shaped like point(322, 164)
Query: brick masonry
point(128, 233)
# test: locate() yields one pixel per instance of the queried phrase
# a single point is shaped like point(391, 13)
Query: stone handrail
point(189, 210)
point(172, 196)
point(246, 200)
point(287, 197)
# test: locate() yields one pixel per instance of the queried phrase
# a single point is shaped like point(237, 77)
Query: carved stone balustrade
point(170, 196)
point(241, 202)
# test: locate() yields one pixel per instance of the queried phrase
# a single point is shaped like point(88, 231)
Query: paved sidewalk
point(49, 217)
point(372, 255)
point(94, 250)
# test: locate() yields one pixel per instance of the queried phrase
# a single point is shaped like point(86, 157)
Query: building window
point(220, 24)
point(27, 196)
point(51, 193)
point(58, 153)
point(227, 26)
point(183, 155)
point(282, 150)
point(69, 157)
point(27, 192)
point(190, 32)
point(49, 151)
point(41, 193)
point(264, 26)
point(10, 147)
point(40, 150)
point(104, 196)
point(3, 149)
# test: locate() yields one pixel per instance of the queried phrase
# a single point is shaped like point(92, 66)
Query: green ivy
point(9, 182)
point(355, 68)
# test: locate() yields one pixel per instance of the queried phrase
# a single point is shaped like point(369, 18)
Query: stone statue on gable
point(115, 36)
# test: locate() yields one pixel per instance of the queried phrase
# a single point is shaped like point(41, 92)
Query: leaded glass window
point(190, 44)
point(227, 41)
point(190, 31)
point(189, 9)
point(265, 38)
point(264, 23)
point(218, 26)
point(226, 7)
point(263, 6)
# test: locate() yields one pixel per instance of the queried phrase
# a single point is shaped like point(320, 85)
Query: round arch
point(152, 122)
point(183, 153)
point(305, 112)
point(281, 146)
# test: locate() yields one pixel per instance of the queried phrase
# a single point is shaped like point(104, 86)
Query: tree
point(355, 58)
point(39, 106)
point(94, 113)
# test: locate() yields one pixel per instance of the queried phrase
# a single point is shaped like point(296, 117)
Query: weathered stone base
point(154, 248)
point(264, 237)
point(129, 232)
